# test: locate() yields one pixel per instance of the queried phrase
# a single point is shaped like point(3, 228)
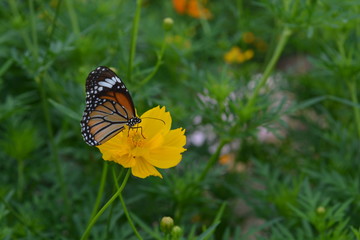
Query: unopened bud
point(166, 224)
point(176, 232)
point(321, 210)
point(168, 24)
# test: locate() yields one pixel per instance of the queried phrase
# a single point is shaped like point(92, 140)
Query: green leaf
point(208, 233)
point(66, 111)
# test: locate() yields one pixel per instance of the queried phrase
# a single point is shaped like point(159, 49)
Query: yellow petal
point(115, 143)
point(143, 169)
point(154, 121)
point(155, 141)
point(165, 151)
point(111, 151)
point(165, 157)
point(175, 138)
point(125, 160)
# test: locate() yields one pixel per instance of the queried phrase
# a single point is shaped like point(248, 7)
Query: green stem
point(205, 25)
point(108, 222)
point(73, 17)
point(240, 11)
point(285, 34)
point(101, 211)
point(212, 160)
point(101, 190)
point(353, 93)
point(20, 178)
point(34, 45)
point(24, 33)
point(127, 214)
point(53, 147)
point(157, 66)
point(134, 38)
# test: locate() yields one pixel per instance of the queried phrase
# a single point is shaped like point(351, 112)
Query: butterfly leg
point(137, 130)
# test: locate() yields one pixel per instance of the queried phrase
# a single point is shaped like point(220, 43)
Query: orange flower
point(193, 8)
point(236, 55)
point(227, 159)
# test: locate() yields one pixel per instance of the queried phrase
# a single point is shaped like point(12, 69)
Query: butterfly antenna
point(155, 119)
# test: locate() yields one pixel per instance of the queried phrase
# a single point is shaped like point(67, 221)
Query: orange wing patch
point(123, 101)
point(121, 98)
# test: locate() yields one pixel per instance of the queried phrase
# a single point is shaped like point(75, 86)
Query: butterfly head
point(133, 121)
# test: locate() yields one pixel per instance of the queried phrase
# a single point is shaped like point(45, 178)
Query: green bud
point(321, 210)
point(168, 24)
point(176, 232)
point(166, 224)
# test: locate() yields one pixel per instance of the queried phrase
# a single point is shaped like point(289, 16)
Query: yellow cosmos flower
point(151, 144)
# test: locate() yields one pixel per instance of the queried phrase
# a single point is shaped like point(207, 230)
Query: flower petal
point(166, 150)
point(179, 5)
point(175, 138)
point(155, 120)
point(123, 159)
point(143, 169)
point(165, 157)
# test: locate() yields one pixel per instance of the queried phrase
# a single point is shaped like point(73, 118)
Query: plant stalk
point(101, 190)
point(134, 38)
point(127, 214)
point(285, 34)
point(353, 94)
point(212, 160)
point(102, 210)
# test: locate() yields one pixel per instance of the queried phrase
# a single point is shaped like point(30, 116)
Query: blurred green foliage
point(279, 161)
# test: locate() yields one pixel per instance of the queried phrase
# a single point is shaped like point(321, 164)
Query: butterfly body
point(109, 107)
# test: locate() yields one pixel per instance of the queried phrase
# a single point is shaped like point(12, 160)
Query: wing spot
point(110, 81)
point(105, 84)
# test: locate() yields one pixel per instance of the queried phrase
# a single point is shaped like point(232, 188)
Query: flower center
point(136, 143)
point(135, 139)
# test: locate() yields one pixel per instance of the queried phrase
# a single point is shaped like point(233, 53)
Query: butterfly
point(109, 107)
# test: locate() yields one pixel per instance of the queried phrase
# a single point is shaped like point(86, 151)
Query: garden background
point(266, 90)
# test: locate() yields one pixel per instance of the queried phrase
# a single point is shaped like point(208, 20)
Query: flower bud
point(321, 210)
point(168, 24)
point(166, 224)
point(176, 232)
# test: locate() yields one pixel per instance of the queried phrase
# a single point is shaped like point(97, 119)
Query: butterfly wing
point(108, 106)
